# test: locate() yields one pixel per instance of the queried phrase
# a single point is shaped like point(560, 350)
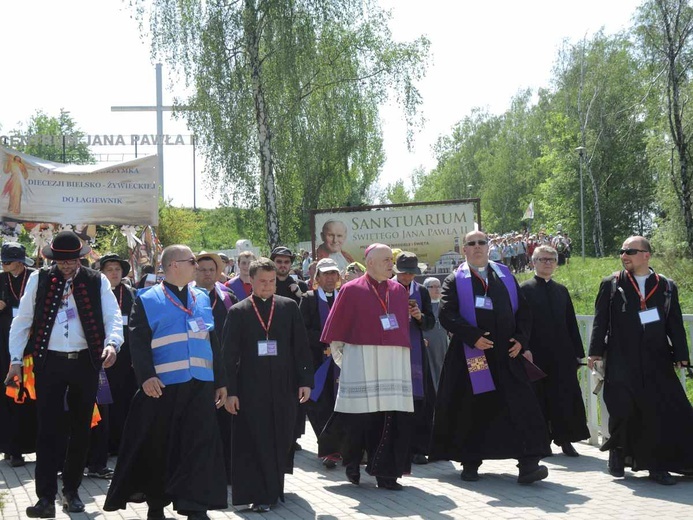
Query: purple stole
point(321, 373)
point(416, 351)
point(477, 364)
point(223, 294)
point(236, 285)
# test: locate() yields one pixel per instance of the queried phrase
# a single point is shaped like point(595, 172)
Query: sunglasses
point(631, 251)
point(8, 263)
point(191, 261)
point(475, 242)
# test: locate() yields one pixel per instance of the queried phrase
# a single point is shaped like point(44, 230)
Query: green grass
point(582, 278)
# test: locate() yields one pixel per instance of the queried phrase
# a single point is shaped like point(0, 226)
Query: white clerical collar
point(323, 295)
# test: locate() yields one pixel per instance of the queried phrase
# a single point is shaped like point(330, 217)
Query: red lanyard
point(269, 322)
point(637, 290)
point(21, 289)
point(483, 282)
point(174, 302)
point(384, 304)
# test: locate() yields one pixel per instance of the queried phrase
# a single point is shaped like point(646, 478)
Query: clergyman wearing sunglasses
point(639, 328)
point(490, 322)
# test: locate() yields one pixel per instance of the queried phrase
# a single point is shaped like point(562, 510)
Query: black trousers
point(79, 379)
point(98, 443)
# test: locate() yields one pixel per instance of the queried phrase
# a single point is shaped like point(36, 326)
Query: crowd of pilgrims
point(221, 361)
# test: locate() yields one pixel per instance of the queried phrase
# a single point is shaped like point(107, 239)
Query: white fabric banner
point(36, 190)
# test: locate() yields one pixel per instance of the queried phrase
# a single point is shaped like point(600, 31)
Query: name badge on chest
point(197, 325)
point(66, 315)
point(267, 348)
point(15, 311)
point(649, 316)
point(389, 322)
point(483, 302)
point(125, 319)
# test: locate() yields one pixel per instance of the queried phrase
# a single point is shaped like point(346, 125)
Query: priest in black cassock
point(315, 307)
point(270, 372)
point(638, 330)
point(556, 348)
point(171, 449)
point(485, 407)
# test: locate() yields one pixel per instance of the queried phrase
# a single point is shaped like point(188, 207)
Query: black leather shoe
point(390, 484)
point(17, 461)
point(353, 475)
point(617, 463)
point(261, 508)
point(569, 450)
point(44, 508)
point(72, 503)
point(197, 515)
point(469, 474)
point(329, 463)
point(662, 477)
point(539, 473)
point(418, 458)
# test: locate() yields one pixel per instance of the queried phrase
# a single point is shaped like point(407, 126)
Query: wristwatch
point(115, 347)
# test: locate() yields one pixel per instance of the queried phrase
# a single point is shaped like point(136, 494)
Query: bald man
point(368, 333)
point(639, 328)
point(172, 450)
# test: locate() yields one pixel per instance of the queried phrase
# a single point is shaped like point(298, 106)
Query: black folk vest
point(87, 294)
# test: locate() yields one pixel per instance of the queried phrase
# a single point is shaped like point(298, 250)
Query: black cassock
point(319, 411)
point(422, 421)
point(556, 346)
point(506, 423)
point(650, 417)
point(267, 389)
point(171, 449)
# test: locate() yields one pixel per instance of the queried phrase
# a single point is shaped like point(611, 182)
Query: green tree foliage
point(63, 125)
point(177, 225)
point(397, 193)
point(664, 29)
point(285, 98)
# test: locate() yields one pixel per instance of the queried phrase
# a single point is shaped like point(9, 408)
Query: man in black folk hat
point(421, 318)
point(17, 412)
point(69, 321)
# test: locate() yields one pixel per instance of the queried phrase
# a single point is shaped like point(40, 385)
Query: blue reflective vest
point(179, 353)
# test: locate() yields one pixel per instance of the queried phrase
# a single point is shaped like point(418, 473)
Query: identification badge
point(15, 311)
point(649, 316)
point(483, 302)
point(389, 322)
point(267, 348)
point(125, 320)
point(197, 325)
point(68, 314)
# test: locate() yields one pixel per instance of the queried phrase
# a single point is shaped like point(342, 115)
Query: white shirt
point(67, 336)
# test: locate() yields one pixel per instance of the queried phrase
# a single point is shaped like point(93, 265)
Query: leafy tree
point(177, 225)
point(665, 28)
point(396, 193)
point(285, 97)
point(58, 150)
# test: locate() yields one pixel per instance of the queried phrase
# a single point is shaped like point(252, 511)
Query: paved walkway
point(578, 487)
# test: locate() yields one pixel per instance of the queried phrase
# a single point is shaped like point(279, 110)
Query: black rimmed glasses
point(546, 260)
point(631, 251)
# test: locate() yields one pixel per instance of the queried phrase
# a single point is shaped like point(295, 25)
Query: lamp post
point(581, 150)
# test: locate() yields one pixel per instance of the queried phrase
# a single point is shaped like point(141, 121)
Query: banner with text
point(36, 190)
point(430, 231)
